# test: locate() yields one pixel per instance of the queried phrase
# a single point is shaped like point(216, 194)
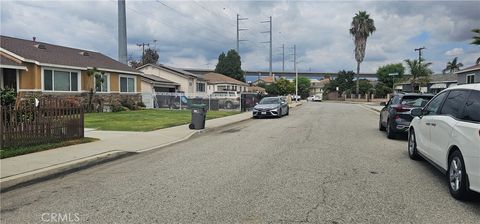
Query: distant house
point(437, 83)
point(469, 75)
point(188, 83)
point(218, 82)
point(37, 68)
point(317, 86)
point(440, 82)
point(152, 84)
point(265, 80)
point(256, 89)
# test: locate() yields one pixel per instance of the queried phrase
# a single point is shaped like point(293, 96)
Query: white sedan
point(446, 132)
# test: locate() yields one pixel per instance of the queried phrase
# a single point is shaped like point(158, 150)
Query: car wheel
point(280, 113)
point(229, 105)
point(380, 126)
point(457, 176)
point(412, 146)
point(288, 111)
point(390, 133)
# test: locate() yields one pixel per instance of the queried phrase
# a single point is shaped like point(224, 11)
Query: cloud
point(194, 33)
point(454, 52)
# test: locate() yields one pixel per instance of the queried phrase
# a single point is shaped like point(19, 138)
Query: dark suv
point(395, 116)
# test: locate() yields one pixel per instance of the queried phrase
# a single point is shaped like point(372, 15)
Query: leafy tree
point(285, 87)
point(365, 86)
point(452, 66)
point(230, 65)
point(418, 69)
point(361, 28)
point(280, 87)
point(476, 40)
point(344, 82)
point(303, 86)
point(150, 56)
point(381, 89)
point(388, 80)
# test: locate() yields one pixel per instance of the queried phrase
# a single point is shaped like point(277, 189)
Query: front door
point(8, 79)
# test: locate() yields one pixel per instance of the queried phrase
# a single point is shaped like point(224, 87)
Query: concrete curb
point(51, 172)
point(29, 178)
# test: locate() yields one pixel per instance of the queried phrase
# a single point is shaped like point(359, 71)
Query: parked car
point(317, 97)
point(446, 132)
point(296, 97)
point(227, 99)
point(271, 107)
point(395, 116)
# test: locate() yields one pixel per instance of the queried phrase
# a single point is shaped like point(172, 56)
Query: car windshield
point(269, 101)
point(415, 101)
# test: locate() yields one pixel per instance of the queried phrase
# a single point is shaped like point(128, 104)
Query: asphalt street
point(324, 163)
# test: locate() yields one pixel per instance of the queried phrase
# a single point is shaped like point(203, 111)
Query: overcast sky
point(191, 34)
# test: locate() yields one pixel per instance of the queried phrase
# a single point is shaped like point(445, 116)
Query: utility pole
point(419, 64)
point(143, 50)
point(283, 57)
point(238, 32)
point(420, 53)
point(122, 32)
point(296, 71)
point(270, 32)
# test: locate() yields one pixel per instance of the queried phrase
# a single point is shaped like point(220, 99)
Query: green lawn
point(16, 151)
point(144, 120)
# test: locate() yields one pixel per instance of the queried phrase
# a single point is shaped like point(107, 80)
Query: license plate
point(264, 112)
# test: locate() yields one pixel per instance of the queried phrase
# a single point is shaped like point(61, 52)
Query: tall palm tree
point(361, 28)
point(418, 69)
point(452, 66)
point(476, 40)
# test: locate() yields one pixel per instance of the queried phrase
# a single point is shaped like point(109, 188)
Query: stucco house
point(152, 84)
point(218, 82)
point(42, 69)
point(190, 84)
point(469, 75)
point(267, 80)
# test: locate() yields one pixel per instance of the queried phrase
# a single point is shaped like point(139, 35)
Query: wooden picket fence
point(51, 121)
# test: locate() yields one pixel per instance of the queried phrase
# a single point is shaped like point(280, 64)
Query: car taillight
point(401, 108)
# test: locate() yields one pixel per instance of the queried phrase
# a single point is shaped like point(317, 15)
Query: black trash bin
point(199, 115)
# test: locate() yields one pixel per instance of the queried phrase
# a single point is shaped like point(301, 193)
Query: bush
point(129, 103)
point(141, 104)
point(8, 97)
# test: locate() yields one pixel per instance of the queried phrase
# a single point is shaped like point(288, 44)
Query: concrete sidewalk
point(113, 144)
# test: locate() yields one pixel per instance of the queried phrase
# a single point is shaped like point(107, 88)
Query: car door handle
point(433, 124)
point(428, 124)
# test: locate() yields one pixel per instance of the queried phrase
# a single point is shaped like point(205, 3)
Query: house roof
point(474, 68)
point(443, 78)
point(7, 62)
point(266, 79)
point(157, 80)
point(54, 55)
point(172, 69)
point(216, 78)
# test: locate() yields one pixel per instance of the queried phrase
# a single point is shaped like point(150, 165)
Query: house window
point(127, 84)
point(200, 87)
point(103, 85)
point(58, 80)
point(471, 78)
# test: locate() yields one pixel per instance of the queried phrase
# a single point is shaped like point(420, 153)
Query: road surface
point(325, 163)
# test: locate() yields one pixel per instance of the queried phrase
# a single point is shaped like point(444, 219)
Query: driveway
point(325, 163)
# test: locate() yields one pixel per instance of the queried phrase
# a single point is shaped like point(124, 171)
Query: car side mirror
point(416, 112)
point(283, 102)
point(383, 104)
point(256, 103)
